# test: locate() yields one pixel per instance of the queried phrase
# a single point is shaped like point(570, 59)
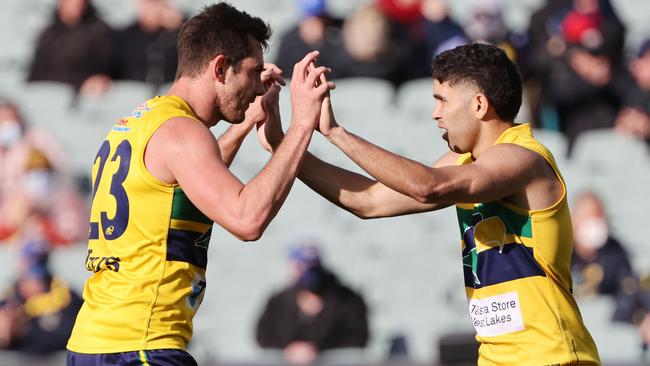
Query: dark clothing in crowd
point(582, 106)
point(293, 48)
point(145, 56)
point(342, 323)
point(612, 268)
point(411, 55)
point(442, 35)
point(610, 273)
point(48, 318)
point(386, 67)
point(72, 54)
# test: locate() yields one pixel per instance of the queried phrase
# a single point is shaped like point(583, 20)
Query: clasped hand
point(310, 103)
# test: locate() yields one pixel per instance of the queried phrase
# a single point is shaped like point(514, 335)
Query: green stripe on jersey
point(515, 223)
point(184, 209)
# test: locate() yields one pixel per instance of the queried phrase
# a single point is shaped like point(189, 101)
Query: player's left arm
point(230, 141)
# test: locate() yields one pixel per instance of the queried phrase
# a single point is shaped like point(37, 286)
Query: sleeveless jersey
point(517, 277)
point(147, 247)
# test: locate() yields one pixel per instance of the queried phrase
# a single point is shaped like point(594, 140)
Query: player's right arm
point(360, 195)
point(187, 151)
point(356, 193)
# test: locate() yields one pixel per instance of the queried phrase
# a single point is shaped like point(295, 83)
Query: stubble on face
point(242, 83)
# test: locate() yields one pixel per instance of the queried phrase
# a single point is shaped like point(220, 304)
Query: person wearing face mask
point(601, 265)
point(43, 205)
point(18, 141)
point(600, 262)
point(315, 313)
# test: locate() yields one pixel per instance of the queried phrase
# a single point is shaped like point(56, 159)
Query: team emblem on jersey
point(493, 248)
point(484, 234)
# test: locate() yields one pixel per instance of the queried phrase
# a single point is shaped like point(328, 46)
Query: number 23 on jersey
point(110, 200)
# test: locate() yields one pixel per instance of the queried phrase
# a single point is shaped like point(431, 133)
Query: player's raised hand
point(272, 74)
point(257, 111)
point(269, 131)
point(327, 119)
point(308, 90)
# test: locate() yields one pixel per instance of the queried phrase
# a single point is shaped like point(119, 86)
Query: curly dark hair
point(488, 68)
point(218, 29)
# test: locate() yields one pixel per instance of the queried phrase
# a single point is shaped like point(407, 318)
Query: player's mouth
point(444, 133)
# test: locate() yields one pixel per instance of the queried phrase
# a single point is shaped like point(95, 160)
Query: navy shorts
point(158, 357)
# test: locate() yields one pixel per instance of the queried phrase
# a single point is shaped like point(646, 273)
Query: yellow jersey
point(517, 277)
point(147, 247)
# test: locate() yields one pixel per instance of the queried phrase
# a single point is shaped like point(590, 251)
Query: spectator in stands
point(74, 49)
point(587, 83)
point(368, 50)
point(537, 58)
point(314, 314)
point(37, 314)
point(34, 183)
point(635, 121)
point(486, 24)
point(407, 32)
point(146, 49)
point(600, 265)
point(317, 30)
point(441, 31)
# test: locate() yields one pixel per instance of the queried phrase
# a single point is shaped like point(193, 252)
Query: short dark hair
point(218, 29)
point(488, 68)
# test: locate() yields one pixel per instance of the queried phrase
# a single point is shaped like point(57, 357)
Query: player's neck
point(194, 94)
point(489, 134)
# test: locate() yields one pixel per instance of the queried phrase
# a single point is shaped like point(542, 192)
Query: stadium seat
point(69, 264)
point(364, 94)
point(121, 99)
point(618, 343)
point(117, 13)
point(607, 152)
point(80, 139)
point(634, 14)
point(21, 21)
point(415, 99)
point(557, 143)
point(343, 8)
point(42, 103)
point(420, 141)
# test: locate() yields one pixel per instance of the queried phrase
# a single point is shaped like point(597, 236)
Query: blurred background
point(387, 291)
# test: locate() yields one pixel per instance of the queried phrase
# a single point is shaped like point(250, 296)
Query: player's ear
point(218, 67)
point(480, 105)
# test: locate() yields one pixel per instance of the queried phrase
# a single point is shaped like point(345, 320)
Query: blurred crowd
point(578, 77)
point(577, 72)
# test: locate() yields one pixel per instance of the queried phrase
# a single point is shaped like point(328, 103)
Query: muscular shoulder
point(534, 182)
point(507, 156)
point(173, 142)
point(183, 133)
